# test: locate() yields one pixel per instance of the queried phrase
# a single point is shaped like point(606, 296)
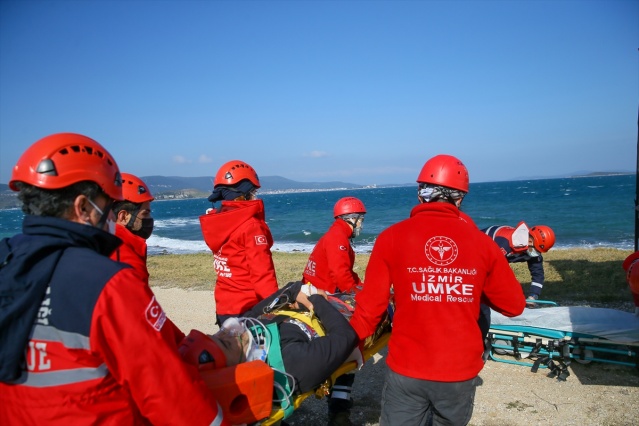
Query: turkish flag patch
point(260, 240)
point(155, 315)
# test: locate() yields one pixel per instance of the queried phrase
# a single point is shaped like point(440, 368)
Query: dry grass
point(584, 275)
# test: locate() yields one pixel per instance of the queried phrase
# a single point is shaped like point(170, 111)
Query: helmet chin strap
point(131, 222)
point(353, 223)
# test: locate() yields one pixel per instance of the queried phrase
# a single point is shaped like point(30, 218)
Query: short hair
point(54, 202)
point(127, 206)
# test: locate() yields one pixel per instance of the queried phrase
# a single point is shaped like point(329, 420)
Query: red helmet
point(445, 170)
point(134, 189)
point(348, 205)
point(60, 160)
point(543, 238)
point(633, 277)
point(233, 172)
point(632, 271)
point(200, 350)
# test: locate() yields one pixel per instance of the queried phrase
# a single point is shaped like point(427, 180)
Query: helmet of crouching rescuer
point(352, 211)
point(63, 159)
point(543, 238)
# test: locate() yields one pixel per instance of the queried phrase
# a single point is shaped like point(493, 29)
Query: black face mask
point(146, 229)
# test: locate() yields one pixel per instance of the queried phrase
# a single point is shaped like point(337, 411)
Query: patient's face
point(233, 346)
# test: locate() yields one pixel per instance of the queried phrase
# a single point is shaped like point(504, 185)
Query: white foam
point(176, 222)
point(162, 245)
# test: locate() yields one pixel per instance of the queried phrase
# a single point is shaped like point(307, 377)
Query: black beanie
point(229, 193)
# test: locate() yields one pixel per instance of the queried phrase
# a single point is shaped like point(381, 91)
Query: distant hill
point(164, 187)
point(175, 187)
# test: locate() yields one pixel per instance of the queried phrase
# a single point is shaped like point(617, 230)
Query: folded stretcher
point(554, 336)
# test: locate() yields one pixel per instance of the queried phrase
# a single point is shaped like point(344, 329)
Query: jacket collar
point(71, 233)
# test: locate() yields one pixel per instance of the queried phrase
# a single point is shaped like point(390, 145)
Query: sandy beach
point(593, 394)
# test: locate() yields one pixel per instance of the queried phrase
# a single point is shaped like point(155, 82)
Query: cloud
point(204, 159)
point(180, 159)
point(316, 154)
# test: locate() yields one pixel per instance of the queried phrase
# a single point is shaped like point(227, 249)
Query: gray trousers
point(407, 401)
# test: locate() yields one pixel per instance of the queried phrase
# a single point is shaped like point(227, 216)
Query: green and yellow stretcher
point(245, 391)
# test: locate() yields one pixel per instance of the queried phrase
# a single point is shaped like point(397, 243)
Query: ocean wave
point(163, 245)
point(176, 222)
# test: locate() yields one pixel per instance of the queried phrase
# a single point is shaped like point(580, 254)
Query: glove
point(357, 355)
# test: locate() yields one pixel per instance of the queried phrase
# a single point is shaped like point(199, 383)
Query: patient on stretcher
point(315, 337)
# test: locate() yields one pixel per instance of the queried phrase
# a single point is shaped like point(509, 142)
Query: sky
point(315, 91)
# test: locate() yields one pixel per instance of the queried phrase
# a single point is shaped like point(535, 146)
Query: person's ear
point(80, 211)
point(122, 217)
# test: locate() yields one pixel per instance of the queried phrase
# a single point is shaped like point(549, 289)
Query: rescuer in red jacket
point(133, 224)
point(439, 269)
point(522, 244)
point(240, 240)
point(82, 338)
point(330, 265)
point(330, 268)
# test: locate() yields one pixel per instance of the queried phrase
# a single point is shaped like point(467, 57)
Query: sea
point(586, 212)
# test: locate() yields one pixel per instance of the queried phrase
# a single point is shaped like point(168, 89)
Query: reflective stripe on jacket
point(98, 351)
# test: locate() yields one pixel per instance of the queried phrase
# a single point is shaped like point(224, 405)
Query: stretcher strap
point(306, 317)
point(558, 368)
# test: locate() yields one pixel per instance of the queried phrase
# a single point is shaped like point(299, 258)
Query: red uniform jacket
point(330, 265)
point(241, 244)
point(133, 253)
point(99, 351)
point(439, 268)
